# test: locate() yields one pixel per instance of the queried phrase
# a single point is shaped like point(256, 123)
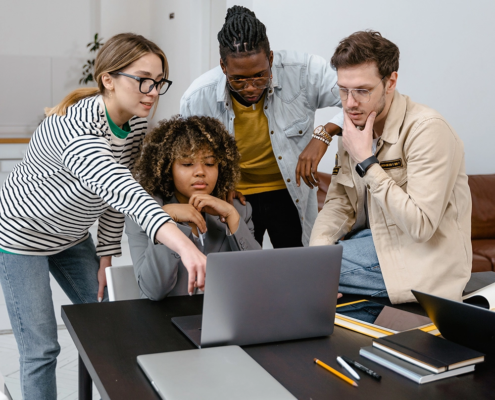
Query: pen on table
point(335, 372)
point(366, 370)
point(346, 366)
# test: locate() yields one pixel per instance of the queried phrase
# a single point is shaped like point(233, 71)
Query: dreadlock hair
point(178, 138)
point(242, 34)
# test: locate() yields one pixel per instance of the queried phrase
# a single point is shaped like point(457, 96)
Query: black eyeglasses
point(146, 85)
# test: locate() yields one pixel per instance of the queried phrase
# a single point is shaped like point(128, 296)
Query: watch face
point(361, 172)
point(319, 129)
point(365, 165)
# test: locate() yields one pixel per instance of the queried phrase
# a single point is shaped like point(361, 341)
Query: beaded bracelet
point(322, 138)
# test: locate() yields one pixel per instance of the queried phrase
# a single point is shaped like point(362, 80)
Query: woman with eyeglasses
point(77, 171)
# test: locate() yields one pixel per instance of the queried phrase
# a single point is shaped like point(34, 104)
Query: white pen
point(201, 235)
point(348, 368)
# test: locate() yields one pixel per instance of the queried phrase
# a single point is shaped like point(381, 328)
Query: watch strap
point(321, 133)
point(362, 167)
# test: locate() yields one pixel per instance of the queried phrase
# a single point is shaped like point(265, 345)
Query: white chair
point(121, 283)
point(4, 392)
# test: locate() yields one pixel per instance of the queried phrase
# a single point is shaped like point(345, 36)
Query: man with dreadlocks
point(267, 100)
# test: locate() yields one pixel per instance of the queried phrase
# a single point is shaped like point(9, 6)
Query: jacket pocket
point(298, 128)
point(344, 179)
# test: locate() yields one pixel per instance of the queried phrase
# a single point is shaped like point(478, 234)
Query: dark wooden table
point(109, 337)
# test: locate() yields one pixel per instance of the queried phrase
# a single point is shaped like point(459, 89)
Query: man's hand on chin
point(358, 143)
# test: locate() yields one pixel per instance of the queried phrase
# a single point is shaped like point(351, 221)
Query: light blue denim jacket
point(301, 84)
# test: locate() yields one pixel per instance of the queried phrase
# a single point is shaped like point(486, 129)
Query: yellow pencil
point(333, 371)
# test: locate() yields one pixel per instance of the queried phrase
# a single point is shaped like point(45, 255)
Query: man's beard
point(379, 109)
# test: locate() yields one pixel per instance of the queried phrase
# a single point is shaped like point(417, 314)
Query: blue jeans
point(360, 272)
point(26, 286)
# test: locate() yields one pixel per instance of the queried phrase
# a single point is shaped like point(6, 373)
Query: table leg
point(85, 382)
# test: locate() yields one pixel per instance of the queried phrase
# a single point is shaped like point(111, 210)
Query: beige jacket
point(419, 204)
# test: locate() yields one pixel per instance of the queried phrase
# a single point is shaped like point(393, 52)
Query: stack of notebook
point(422, 357)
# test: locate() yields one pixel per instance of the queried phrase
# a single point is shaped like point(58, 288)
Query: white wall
point(120, 16)
point(445, 51)
point(447, 55)
point(42, 50)
point(57, 28)
point(187, 40)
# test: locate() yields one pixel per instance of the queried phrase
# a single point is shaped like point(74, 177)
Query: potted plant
point(88, 72)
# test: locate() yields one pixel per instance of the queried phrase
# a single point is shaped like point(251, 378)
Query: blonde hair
point(116, 54)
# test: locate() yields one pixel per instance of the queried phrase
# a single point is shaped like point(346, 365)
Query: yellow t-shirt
point(259, 168)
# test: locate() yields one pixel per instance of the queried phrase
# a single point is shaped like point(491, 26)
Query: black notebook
point(427, 351)
point(410, 371)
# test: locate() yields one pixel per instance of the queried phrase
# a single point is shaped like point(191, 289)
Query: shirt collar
point(121, 133)
point(222, 89)
point(275, 81)
point(395, 118)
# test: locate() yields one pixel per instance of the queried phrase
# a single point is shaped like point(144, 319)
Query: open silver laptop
point(263, 296)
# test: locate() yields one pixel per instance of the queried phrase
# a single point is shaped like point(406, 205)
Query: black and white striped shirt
point(76, 171)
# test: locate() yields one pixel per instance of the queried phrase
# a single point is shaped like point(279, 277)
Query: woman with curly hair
point(188, 165)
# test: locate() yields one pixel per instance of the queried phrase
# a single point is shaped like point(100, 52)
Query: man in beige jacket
point(399, 201)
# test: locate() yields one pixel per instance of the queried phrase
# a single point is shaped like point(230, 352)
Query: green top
point(5, 251)
point(121, 133)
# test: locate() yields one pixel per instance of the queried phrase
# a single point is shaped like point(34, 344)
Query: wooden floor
point(67, 363)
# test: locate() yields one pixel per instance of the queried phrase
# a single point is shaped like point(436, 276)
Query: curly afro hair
point(184, 137)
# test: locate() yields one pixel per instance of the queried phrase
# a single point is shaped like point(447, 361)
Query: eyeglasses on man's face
point(146, 85)
point(258, 82)
point(360, 95)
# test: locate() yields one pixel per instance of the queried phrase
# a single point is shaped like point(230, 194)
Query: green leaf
point(87, 73)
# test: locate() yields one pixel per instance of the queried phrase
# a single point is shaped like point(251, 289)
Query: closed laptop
point(219, 373)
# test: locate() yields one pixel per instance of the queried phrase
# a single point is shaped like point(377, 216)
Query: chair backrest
point(121, 283)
